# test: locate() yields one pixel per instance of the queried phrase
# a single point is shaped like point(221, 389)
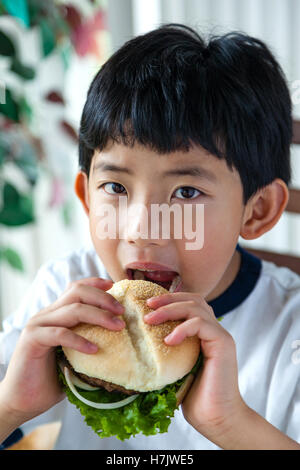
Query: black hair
point(169, 88)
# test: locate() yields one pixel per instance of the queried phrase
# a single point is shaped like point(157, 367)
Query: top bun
point(136, 357)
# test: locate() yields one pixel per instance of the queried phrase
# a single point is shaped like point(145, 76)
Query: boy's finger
point(89, 295)
point(165, 299)
point(72, 314)
point(98, 282)
point(44, 338)
point(188, 328)
point(175, 311)
point(215, 340)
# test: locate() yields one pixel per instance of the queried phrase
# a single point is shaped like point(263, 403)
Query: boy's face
point(208, 270)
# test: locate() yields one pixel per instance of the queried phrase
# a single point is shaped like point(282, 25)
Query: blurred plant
point(62, 27)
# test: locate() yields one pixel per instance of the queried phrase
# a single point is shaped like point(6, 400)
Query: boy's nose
point(142, 230)
point(143, 238)
point(144, 242)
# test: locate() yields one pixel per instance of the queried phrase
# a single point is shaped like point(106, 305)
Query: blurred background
point(49, 52)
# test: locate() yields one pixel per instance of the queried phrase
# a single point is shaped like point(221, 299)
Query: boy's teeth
point(175, 283)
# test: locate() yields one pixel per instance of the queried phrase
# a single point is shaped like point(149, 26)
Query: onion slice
point(93, 404)
point(77, 382)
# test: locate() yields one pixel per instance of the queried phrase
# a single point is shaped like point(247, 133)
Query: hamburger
point(134, 382)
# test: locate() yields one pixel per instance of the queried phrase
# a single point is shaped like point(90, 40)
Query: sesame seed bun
point(136, 357)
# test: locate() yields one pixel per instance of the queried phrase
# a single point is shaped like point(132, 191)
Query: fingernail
point(150, 300)
point(169, 337)
point(149, 315)
point(117, 321)
point(93, 347)
point(118, 305)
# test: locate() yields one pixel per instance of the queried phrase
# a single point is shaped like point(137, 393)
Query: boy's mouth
point(170, 280)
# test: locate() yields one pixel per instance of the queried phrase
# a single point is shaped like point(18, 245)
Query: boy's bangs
point(158, 116)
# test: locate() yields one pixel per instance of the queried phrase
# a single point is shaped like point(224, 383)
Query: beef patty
point(109, 386)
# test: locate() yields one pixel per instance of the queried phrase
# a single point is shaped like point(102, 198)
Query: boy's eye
point(116, 188)
point(184, 192)
point(187, 192)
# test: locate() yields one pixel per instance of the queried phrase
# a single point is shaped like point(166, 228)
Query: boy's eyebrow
point(192, 171)
point(189, 171)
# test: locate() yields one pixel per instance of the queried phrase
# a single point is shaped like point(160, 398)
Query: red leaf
point(54, 97)
point(57, 193)
point(83, 37)
point(99, 20)
point(72, 16)
point(69, 130)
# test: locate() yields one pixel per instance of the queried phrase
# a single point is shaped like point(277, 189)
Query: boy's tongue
point(160, 275)
point(170, 280)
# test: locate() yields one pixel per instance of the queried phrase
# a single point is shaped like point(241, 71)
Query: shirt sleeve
point(43, 291)
point(46, 287)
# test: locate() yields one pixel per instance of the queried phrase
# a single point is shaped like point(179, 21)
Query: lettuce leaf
point(149, 414)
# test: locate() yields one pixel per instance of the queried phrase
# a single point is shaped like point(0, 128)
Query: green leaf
point(17, 8)
point(10, 195)
point(2, 154)
point(67, 213)
point(10, 108)
point(65, 50)
point(47, 36)
point(17, 208)
point(26, 205)
point(25, 110)
point(14, 217)
point(27, 162)
point(23, 71)
point(12, 258)
point(7, 47)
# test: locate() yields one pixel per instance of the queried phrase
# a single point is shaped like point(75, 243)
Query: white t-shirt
point(261, 310)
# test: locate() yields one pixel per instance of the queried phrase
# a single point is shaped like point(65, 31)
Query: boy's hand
point(214, 397)
point(31, 385)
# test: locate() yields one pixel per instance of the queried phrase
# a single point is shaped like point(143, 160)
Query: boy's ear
point(264, 209)
point(81, 187)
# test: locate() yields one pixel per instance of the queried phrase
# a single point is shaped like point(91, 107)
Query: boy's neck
point(228, 277)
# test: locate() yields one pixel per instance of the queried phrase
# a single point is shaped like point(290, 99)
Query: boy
point(169, 119)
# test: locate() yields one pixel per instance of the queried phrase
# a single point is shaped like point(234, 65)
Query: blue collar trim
point(241, 287)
